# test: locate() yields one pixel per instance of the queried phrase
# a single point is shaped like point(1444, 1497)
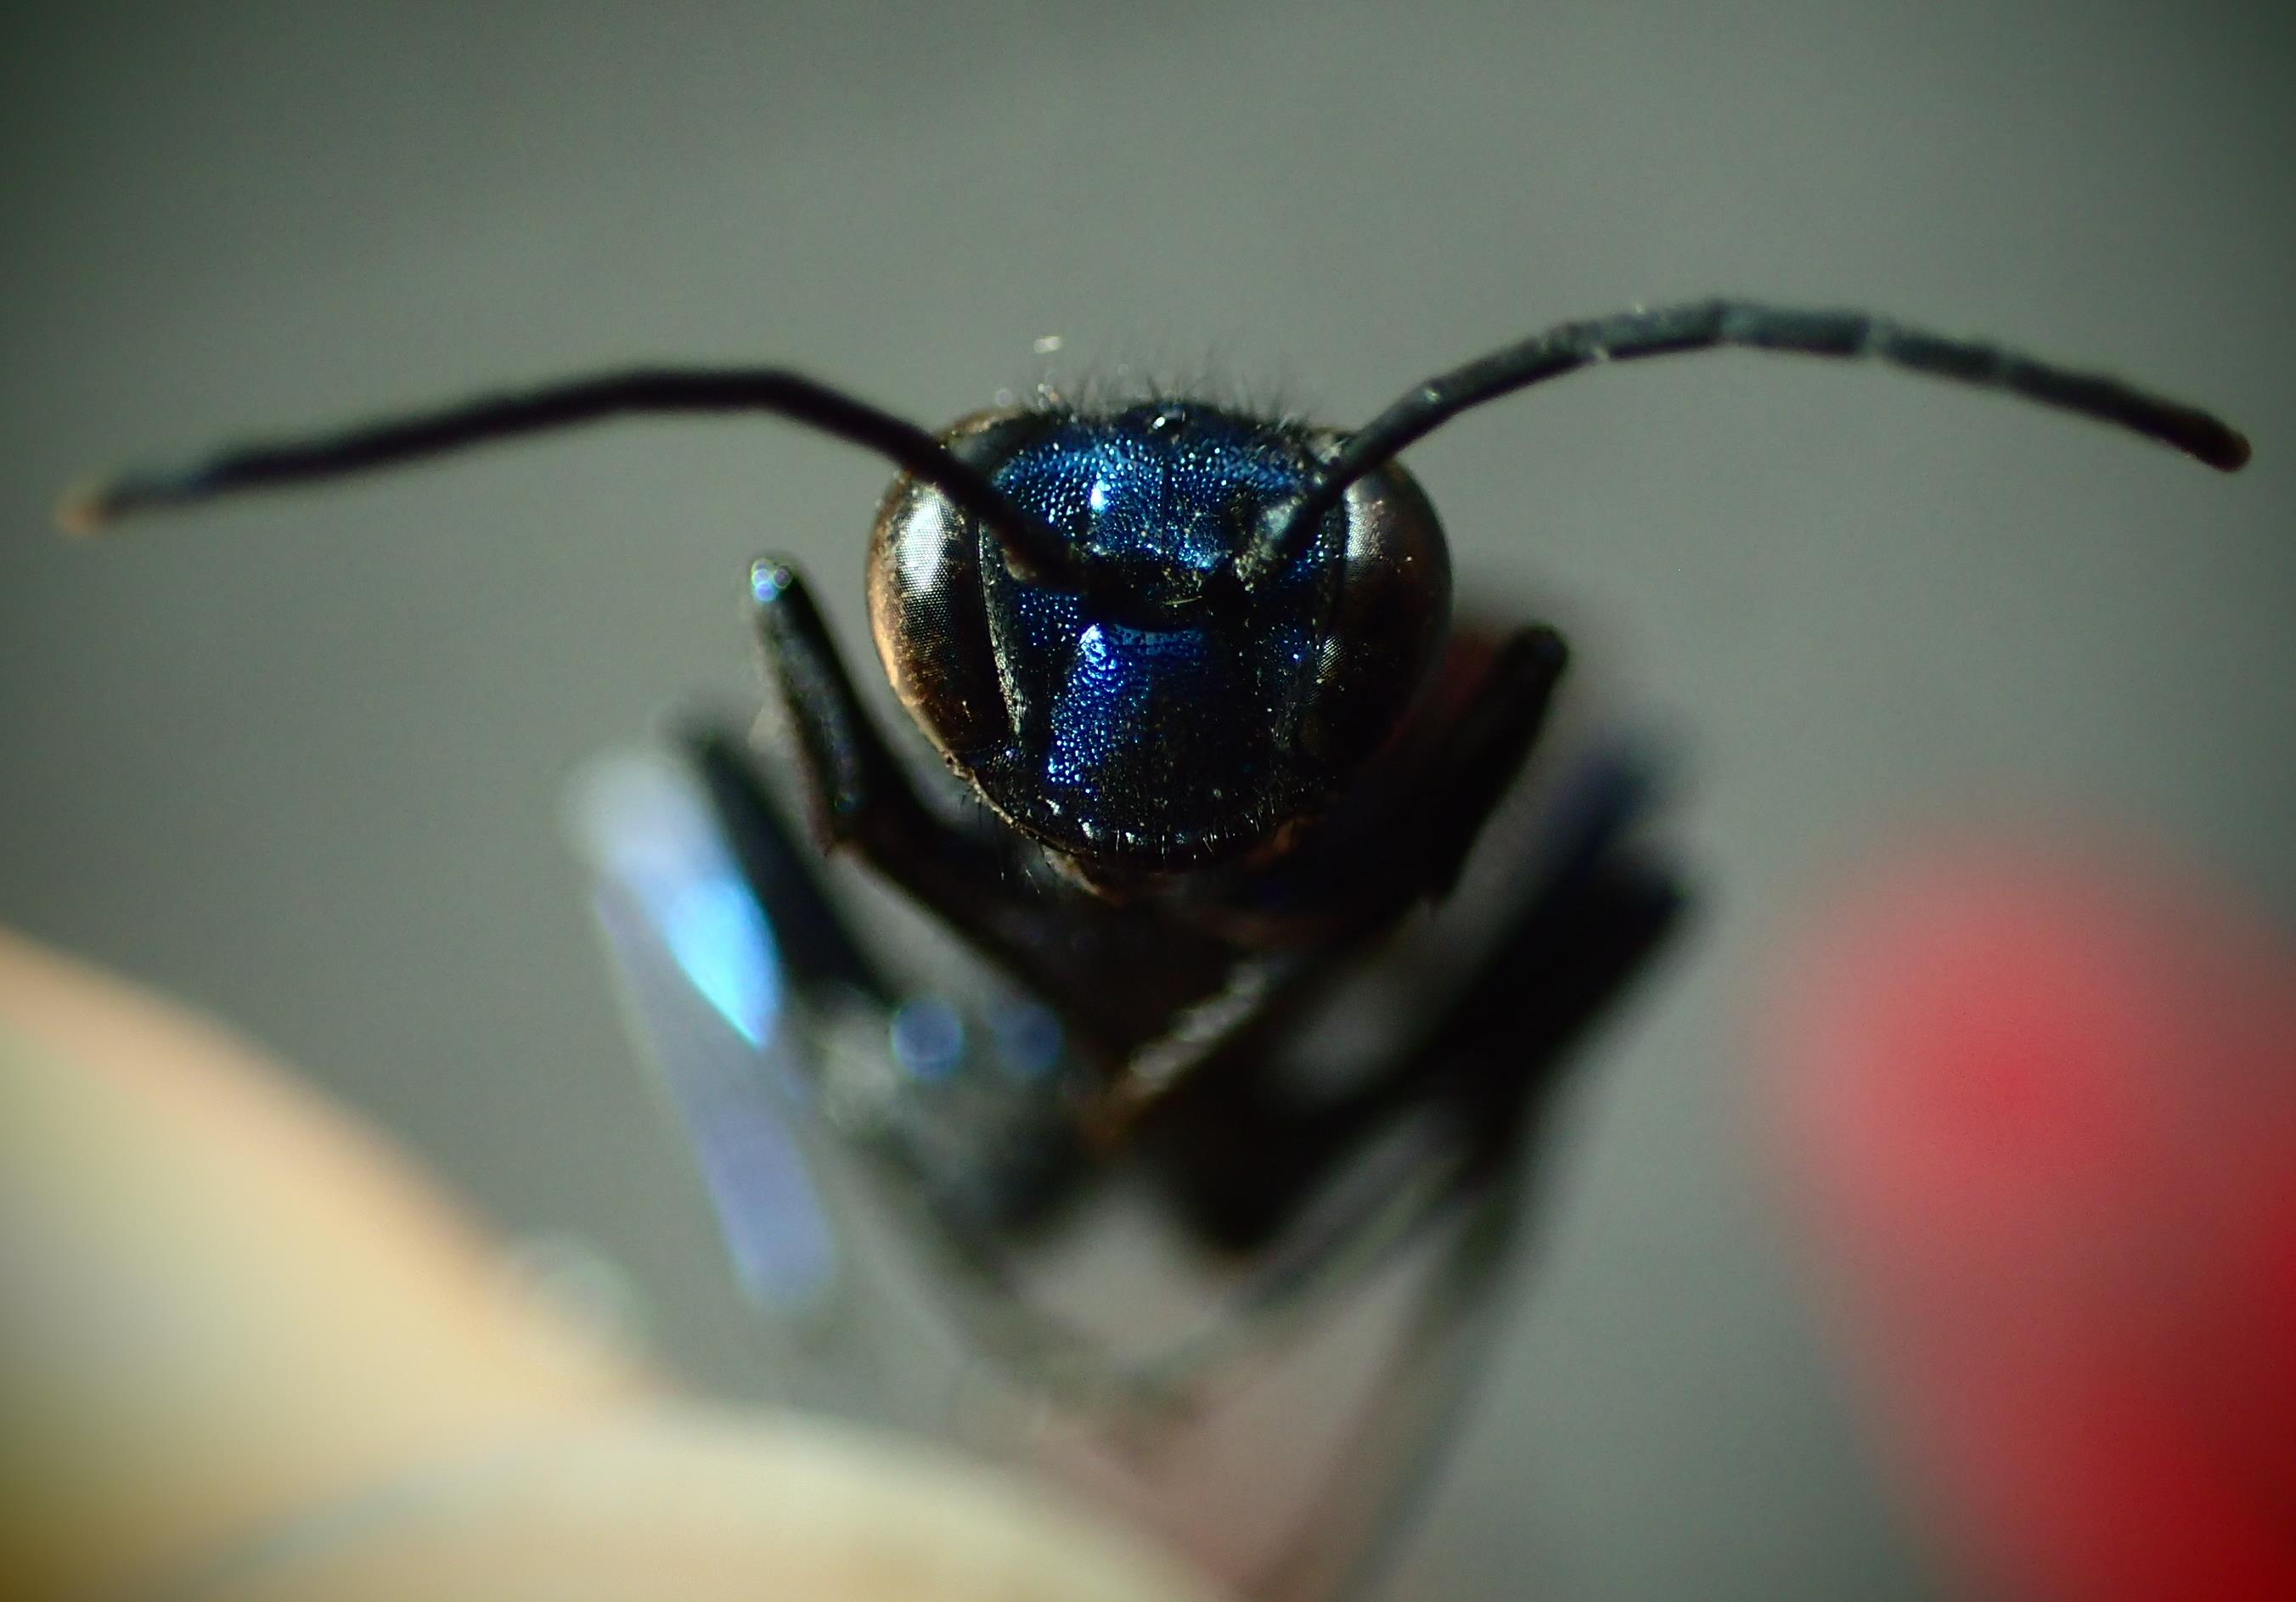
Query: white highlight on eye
point(920, 566)
point(920, 552)
point(1098, 499)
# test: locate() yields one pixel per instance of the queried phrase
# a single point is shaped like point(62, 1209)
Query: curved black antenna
point(1717, 324)
point(1034, 551)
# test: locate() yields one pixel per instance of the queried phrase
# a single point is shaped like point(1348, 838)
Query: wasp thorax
point(1201, 721)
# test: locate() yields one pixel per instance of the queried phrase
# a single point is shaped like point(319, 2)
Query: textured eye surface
point(1225, 717)
point(925, 607)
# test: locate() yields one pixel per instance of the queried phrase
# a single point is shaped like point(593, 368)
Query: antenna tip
point(85, 508)
point(2236, 451)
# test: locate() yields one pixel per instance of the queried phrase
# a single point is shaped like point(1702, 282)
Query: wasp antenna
point(1033, 550)
point(1744, 325)
point(85, 508)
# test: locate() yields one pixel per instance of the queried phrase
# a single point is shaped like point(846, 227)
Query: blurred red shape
point(2041, 1112)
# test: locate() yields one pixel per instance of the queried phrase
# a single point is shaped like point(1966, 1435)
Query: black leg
point(1245, 1148)
point(815, 946)
point(1116, 975)
point(1405, 831)
point(1485, 751)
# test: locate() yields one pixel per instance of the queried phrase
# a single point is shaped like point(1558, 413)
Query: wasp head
point(1184, 715)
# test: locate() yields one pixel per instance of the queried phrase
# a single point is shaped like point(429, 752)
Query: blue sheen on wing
point(720, 939)
point(702, 976)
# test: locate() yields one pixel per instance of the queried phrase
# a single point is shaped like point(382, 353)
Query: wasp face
point(1204, 720)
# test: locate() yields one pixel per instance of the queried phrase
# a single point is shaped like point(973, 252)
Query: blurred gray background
point(299, 760)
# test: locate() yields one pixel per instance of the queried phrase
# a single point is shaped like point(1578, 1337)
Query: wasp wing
point(707, 990)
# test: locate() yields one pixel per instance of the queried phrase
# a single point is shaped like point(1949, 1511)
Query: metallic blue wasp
point(1197, 672)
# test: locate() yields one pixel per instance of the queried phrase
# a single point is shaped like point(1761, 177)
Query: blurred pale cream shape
point(247, 1350)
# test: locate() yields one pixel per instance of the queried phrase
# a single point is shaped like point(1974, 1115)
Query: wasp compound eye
point(1204, 718)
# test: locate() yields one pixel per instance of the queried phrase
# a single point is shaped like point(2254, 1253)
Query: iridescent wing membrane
point(903, 1196)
